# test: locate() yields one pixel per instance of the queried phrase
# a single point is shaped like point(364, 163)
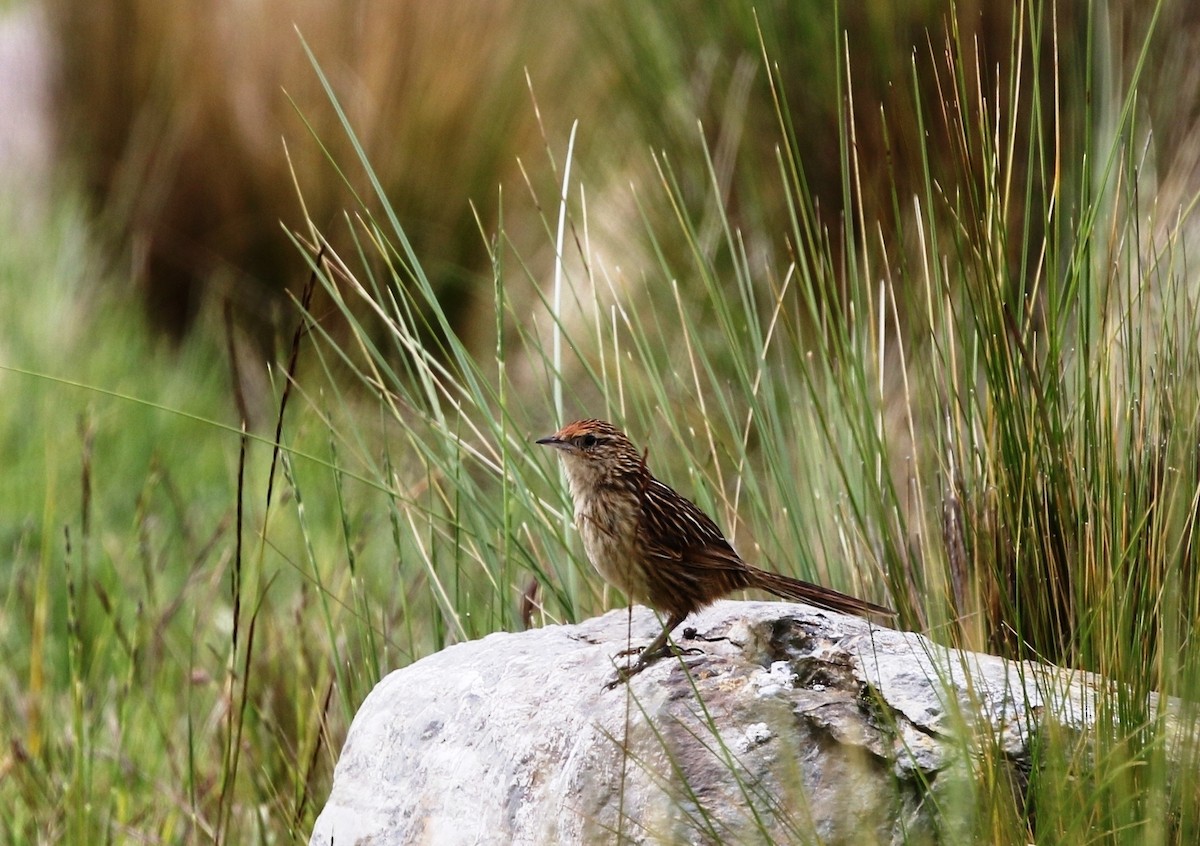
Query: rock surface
point(786, 723)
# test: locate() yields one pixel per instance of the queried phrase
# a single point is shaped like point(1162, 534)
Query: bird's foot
point(645, 659)
point(662, 652)
point(624, 674)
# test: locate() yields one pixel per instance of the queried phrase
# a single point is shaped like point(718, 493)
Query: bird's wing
point(674, 530)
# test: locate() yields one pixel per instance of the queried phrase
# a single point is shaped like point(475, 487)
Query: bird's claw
point(624, 674)
point(672, 649)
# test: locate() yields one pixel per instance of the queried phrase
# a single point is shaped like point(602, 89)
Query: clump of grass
point(1032, 508)
point(131, 706)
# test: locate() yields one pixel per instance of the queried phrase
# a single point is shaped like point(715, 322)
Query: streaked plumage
point(656, 546)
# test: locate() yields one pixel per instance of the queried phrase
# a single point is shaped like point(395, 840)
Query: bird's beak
point(553, 441)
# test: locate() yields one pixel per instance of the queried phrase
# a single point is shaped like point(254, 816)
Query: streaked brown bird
point(656, 546)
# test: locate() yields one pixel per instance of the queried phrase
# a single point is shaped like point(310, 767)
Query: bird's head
point(594, 451)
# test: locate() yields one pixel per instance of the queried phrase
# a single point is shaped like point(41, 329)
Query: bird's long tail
point(822, 597)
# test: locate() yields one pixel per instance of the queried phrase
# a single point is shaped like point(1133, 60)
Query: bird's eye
point(587, 441)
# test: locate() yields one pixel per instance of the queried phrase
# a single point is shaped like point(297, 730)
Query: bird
point(655, 545)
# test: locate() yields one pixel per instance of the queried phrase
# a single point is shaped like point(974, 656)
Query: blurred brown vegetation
point(176, 117)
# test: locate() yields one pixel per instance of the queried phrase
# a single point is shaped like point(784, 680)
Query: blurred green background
point(755, 187)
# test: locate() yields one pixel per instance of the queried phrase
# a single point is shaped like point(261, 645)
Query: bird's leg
point(658, 648)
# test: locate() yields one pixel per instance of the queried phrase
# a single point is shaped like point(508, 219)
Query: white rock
point(791, 722)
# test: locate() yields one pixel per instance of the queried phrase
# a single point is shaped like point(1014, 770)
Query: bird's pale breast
point(607, 524)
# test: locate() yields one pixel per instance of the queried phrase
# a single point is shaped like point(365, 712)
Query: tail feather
point(822, 597)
